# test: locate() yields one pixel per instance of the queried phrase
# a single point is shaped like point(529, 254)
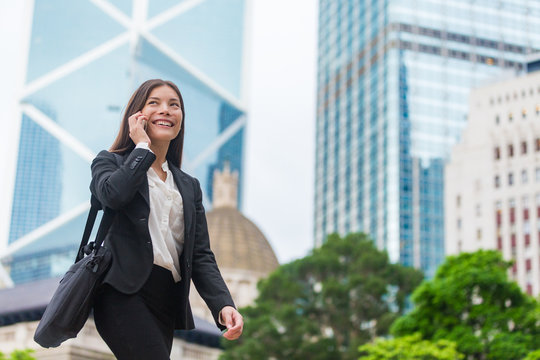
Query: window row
point(512, 181)
point(511, 151)
point(460, 38)
point(515, 96)
point(524, 113)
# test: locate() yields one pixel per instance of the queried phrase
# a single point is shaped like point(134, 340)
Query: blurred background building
point(492, 181)
point(243, 253)
point(81, 63)
point(394, 78)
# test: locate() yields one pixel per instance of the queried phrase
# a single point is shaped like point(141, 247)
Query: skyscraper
point(84, 60)
point(393, 84)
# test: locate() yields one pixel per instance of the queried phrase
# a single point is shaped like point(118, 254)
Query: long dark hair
point(123, 143)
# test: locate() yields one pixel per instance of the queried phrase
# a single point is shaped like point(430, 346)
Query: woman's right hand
point(136, 128)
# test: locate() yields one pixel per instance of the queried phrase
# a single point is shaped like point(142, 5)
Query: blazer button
point(142, 219)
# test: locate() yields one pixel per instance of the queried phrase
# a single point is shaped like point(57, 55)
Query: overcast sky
point(280, 136)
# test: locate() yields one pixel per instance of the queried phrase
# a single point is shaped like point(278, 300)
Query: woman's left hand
point(234, 322)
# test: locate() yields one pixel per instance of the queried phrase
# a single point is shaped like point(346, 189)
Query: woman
point(159, 237)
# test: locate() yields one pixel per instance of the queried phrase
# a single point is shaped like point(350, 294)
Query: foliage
point(326, 304)
point(535, 355)
point(410, 347)
point(18, 355)
point(471, 301)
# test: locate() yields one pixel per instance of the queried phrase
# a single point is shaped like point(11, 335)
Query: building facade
point(242, 252)
point(83, 60)
point(393, 83)
point(492, 194)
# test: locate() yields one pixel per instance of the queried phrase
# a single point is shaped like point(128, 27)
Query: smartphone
point(144, 124)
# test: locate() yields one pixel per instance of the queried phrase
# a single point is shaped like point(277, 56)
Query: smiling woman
point(159, 237)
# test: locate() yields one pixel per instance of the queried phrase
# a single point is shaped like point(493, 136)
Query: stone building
point(492, 182)
point(242, 252)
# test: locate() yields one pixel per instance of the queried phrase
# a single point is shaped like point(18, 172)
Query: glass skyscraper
point(85, 59)
point(393, 83)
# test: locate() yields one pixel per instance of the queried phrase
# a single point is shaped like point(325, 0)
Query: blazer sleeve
point(205, 273)
point(114, 185)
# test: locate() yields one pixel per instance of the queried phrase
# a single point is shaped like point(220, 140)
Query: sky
point(278, 192)
point(280, 139)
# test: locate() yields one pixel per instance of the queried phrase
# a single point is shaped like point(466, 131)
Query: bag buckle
point(89, 248)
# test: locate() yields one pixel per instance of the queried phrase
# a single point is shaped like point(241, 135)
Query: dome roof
point(238, 243)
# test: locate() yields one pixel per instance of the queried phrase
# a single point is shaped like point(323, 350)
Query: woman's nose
point(164, 109)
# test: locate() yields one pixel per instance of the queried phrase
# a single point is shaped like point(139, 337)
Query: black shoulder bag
point(72, 301)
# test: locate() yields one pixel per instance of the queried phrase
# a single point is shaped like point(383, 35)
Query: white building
point(492, 182)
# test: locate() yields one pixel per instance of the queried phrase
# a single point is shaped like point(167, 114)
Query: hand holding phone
point(137, 128)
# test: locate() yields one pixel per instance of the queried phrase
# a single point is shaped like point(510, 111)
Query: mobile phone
point(144, 124)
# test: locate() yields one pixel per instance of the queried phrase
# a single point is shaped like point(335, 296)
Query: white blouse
point(166, 221)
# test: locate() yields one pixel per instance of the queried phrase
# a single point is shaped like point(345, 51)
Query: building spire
point(225, 187)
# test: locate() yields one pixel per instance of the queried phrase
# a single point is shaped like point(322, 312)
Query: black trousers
point(138, 326)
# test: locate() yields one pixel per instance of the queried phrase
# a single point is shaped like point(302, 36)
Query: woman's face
point(162, 109)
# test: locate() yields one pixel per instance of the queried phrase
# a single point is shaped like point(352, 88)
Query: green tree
point(18, 355)
point(471, 301)
point(535, 355)
point(326, 304)
point(410, 347)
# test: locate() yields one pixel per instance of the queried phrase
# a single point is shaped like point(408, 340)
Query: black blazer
point(125, 189)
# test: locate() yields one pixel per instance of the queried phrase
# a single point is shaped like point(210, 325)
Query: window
point(526, 227)
point(497, 153)
point(524, 178)
point(478, 234)
point(510, 150)
point(458, 201)
point(510, 116)
point(478, 210)
point(497, 181)
point(458, 223)
point(537, 171)
point(523, 147)
point(497, 118)
point(510, 179)
point(524, 113)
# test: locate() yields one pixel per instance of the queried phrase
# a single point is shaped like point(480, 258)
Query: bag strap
point(104, 226)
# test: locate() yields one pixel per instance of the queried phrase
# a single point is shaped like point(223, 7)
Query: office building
point(393, 84)
point(492, 193)
point(81, 62)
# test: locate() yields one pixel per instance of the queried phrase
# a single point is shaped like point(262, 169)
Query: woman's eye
point(174, 104)
point(152, 102)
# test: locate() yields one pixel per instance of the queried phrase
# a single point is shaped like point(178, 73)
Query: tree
point(535, 355)
point(18, 355)
point(326, 304)
point(410, 347)
point(471, 301)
